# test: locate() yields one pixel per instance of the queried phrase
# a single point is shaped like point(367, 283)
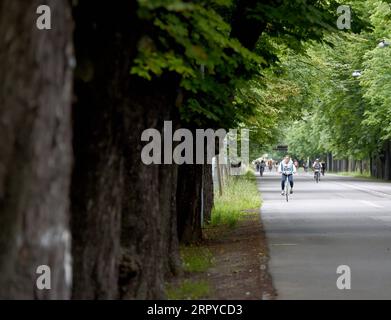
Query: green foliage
point(190, 35)
point(240, 193)
point(189, 290)
point(341, 114)
point(295, 85)
point(188, 38)
point(196, 258)
point(228, 84)
point(356, 174)
point(376, 80)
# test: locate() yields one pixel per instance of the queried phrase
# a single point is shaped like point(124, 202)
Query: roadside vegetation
point(189, 290)
point(196, 260)
point(356, 174)
point(241, 199)
point(343, 92)
point(240, 196)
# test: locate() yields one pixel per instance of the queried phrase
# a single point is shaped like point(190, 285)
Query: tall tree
point(215, 36)
point(35, 149)
point(123, 211)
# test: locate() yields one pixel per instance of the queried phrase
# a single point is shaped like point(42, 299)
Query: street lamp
point(382, 44)
point(356, 73)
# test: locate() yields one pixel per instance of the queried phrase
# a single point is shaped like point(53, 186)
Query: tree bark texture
point(208, 192)
point(124, 212)
point(189, 202)
point(35, 144)
point(149, 239)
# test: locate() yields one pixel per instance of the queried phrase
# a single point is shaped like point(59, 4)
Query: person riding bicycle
point(317, 167)
point(287, 169)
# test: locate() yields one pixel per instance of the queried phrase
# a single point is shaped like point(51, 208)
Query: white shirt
point(287, 168)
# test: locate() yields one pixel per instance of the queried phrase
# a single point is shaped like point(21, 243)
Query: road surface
point(340, 221)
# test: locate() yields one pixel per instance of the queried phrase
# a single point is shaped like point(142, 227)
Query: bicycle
point(317, 176)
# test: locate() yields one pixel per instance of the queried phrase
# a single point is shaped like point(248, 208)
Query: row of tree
point(74, 100)
point(346, 117)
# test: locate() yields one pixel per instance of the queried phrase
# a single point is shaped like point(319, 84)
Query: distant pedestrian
point(262, 166)
point(323, 169)
point(270, 164)
point(257, 165)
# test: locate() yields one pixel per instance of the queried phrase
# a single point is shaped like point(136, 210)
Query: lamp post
point(356, 73)
point(383, 43)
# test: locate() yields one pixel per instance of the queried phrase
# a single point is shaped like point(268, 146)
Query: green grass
point(196, 258)
point(188, 289)
point(355, 174)
point(239, 193)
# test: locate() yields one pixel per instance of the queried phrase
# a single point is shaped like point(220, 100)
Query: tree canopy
point(338, 113)
point(230, 74)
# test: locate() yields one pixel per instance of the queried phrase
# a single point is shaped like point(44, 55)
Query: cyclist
point(316, 166)
point(286, 168)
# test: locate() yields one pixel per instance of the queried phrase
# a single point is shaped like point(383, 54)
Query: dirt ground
point(240, 268)
point(240, 262)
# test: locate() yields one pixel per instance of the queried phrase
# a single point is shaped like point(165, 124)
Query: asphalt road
point(340, 221)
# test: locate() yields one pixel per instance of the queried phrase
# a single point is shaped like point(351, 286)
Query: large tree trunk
point(168, 179)
point(208, 192)
point(372, 165)
point(387, 160)
point(194, 197)
point(35, 149)
point(149, 238)
point(189, 202)
point(104, 50)
point(245, 27)
point(124, 222)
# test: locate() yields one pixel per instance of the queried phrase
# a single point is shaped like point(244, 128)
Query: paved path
point(340, 221)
